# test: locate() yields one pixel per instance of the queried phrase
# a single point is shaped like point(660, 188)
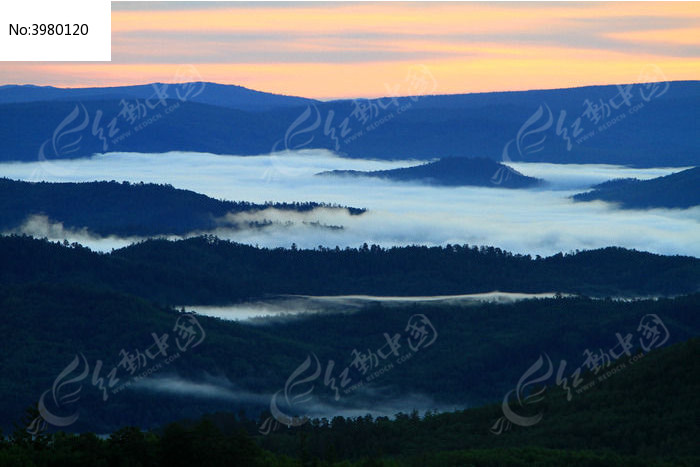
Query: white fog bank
point(540, 221)
point(264, 311)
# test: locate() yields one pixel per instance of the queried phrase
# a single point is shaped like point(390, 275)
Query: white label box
point(55, 31)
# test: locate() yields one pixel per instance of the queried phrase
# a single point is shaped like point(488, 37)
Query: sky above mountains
point(335, 50)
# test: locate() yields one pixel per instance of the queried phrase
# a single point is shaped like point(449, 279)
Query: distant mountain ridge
point(452, 171)
point(222, 95)
point(632, 125)
point(677, 190)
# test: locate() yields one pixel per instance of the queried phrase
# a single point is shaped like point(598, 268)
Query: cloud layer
point(536, 221)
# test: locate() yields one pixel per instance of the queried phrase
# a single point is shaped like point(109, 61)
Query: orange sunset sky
point(329, 50)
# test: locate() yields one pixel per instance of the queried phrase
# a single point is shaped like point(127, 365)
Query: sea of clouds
point(542, 220)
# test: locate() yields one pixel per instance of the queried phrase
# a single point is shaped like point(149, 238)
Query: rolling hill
point(125, 209)
point(223, 95)
point(678, 190)
point(209, 271)
point(480, 353)
point(452, 171)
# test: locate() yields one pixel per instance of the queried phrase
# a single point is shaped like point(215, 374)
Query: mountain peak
point(452, 171)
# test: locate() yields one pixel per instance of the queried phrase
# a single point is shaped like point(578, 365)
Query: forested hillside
point(125, 209)
point(678, 190)
point(207, 270)
point(479, 354)
point(644, 416)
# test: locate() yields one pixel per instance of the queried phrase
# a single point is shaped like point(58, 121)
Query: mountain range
point(642, 125)
point(222, 95)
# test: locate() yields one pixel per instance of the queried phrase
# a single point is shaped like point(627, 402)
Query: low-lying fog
point(265, 311)
point(372, 398)
point(536, 221)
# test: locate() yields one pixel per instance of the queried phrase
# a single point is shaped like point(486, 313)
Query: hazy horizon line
point(329, 99)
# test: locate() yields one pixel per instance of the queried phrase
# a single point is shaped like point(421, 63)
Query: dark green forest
point(479, 354)
point(646, 415)
point(207, 270)
point(126, 209)
point(63, 303)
